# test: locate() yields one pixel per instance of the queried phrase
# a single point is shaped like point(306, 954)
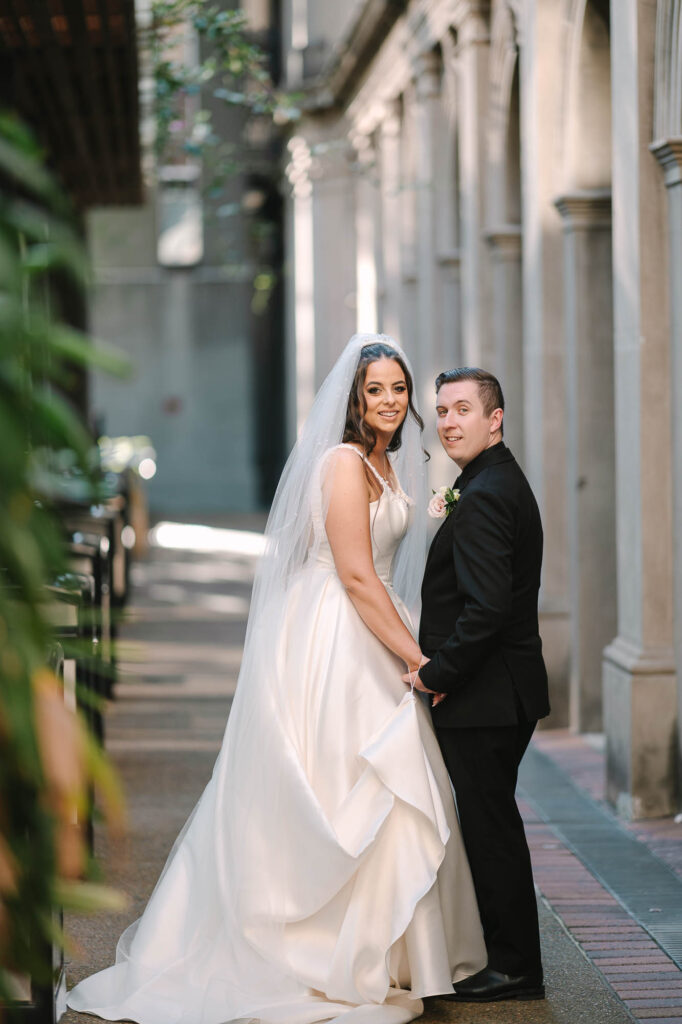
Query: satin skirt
point(322, 873)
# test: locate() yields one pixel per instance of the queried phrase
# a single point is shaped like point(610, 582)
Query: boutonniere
point(443, 502)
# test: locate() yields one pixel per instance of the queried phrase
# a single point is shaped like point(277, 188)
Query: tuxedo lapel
point(488, 457)
point(436, 537)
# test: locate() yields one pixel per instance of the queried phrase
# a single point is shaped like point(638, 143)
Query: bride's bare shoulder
point(346, 467)
point(344, 454)
point(343, 465)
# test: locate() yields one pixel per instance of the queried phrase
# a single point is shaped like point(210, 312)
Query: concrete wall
point(187, 334)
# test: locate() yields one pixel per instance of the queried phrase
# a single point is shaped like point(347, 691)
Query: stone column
point(588, 306)
point(449, 264)
point(367, 233)
point(430, 328)
point(321, 244)
point(640, 699)
point(507, 327)
point(300, 284)
point(544, 414)
point(449, 200)
point(669, 154)
point(389, 166)
point(473, 55)
point(409, 230)
point(334, 244)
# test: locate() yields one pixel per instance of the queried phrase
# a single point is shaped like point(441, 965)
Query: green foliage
point(233, 70)
point(37, 426)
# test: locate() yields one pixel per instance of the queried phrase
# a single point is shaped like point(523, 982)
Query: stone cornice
point(353, 54)
point(640, 661)
point(449, 257)
point(399, 61)
point(669, 154)
point(589, 208)
point(427, 23)
point(471, 18)
point(427, 71)
point(390, 126)
point(377, 28)
point(464, 9)
point(389, 76)
point(505, 240)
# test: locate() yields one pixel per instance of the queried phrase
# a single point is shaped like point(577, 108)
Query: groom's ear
point(496, 420)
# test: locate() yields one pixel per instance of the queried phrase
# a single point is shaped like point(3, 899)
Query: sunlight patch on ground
point(229, 604)
point(217, 570)
point(167, 592)
point(194, 537)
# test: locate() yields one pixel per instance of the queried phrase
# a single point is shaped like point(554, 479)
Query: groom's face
point(463, 426)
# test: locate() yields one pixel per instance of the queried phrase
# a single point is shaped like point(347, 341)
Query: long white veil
point(291, 539)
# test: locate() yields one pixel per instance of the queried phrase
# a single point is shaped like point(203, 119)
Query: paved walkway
point(610, 895)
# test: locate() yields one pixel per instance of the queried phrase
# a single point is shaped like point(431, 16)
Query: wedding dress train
point(322, 873)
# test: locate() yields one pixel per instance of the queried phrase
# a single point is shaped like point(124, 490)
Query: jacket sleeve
point(483, 545)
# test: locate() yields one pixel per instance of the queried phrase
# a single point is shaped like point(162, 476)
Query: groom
point(479, 627)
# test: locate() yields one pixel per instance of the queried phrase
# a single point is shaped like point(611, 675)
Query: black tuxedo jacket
point(479, 622)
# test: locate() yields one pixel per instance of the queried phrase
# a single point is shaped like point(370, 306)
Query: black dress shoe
point(488, 986)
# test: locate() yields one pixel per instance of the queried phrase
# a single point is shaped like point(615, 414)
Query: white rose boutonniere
point(443, 502)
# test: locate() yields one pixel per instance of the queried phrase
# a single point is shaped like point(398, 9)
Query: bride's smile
point(386, 396)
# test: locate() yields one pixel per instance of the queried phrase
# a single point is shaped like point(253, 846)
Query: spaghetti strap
point(364, 458)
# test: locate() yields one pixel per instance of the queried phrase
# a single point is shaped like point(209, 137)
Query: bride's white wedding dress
point(343, 888)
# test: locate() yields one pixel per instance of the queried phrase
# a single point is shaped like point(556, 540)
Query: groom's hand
point(409, 677)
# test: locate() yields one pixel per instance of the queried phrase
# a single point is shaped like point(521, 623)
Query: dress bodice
point(389, 519)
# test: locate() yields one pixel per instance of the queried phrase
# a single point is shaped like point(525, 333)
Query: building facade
point(499, 183)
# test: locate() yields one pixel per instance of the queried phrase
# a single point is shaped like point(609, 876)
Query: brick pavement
point(584, 762)
point(640, 973)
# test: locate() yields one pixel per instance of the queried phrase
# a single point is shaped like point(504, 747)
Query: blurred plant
point(47, 758)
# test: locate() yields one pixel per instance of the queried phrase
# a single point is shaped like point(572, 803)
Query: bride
point(321, 874)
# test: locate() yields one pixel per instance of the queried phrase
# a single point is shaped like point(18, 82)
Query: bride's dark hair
point(355, 429)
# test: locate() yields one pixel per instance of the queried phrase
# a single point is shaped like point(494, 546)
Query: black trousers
point(483, 765)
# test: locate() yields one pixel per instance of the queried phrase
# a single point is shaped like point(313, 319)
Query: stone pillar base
point(640, 708)
point(555, 630)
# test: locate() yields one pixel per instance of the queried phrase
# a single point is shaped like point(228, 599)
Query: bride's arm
point(347, 525)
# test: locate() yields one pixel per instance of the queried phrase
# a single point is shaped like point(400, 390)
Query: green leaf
point(57, 425)
point(79, 348)
point(24, 169)
point(86, 897)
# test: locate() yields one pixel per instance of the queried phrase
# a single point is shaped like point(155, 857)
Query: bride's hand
point(412, 679)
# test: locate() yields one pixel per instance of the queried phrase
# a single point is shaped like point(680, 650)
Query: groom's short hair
point(489, 390)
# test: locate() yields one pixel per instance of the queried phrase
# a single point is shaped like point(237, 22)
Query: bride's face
point(386, 397)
